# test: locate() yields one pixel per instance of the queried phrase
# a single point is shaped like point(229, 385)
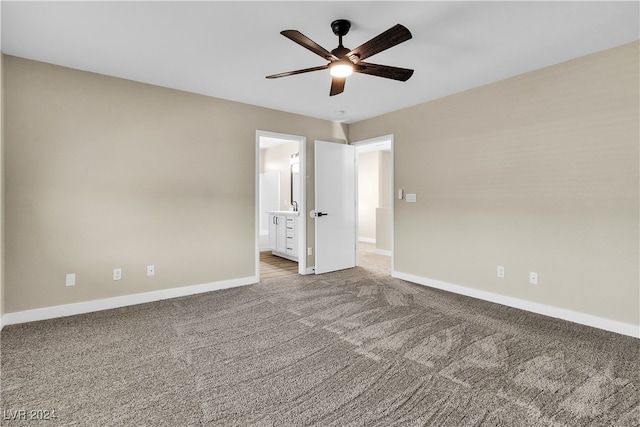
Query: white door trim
point(377, 140)
point(302, 207)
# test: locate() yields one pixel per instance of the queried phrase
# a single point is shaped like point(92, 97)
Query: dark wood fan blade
point(337, 85)
point(385, 71)
point(393, 36)
point(293, 73)
point(306, 42)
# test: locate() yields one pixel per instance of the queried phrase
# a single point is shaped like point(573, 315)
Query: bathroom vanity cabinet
point(283, 234)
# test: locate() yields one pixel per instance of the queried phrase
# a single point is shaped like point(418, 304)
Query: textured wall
point(103, 173)
point(385, 179)
point(536, 173)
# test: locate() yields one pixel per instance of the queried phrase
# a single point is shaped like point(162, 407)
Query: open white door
point(335, 214)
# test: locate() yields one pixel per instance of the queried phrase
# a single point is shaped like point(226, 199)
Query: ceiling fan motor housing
point(341, 52)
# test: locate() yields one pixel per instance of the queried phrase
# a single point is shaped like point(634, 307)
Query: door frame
point(377, 140)
point(302, 204)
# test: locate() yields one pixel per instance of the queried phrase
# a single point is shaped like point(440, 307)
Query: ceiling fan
point(344, 61)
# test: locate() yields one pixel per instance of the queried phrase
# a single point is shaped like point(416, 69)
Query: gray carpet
point(351, 348)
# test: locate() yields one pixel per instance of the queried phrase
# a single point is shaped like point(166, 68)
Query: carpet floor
point(350, 348)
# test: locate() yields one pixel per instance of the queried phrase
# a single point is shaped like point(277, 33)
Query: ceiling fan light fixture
point(341, 68)
point(342, 62)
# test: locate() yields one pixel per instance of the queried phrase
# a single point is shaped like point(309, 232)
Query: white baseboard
point(534, 307)
point(1, 324)
point(366, 239)
point(383, 252)
point(121, 301)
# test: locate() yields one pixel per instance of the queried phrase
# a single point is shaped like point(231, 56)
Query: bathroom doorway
point(280, 204)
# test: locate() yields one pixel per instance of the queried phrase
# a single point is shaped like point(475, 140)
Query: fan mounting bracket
point(340, 27)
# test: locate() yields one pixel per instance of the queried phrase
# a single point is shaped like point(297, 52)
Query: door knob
point(315, 214)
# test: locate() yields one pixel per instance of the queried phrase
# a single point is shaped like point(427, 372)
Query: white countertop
point(289, 213)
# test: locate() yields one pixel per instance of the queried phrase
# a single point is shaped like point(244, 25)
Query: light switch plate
point(411, 198)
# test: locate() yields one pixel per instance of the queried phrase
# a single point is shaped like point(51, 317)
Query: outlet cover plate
point(70, 280)
point(533, 278)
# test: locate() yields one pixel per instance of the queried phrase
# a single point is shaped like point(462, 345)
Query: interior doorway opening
point(280, 204)
point(375, 196)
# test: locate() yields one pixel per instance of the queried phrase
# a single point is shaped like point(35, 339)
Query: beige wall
point(536, 173)
point(277, 159)
point(384, 179)
point(367, 194)
point(383, 213)
point(104, 173)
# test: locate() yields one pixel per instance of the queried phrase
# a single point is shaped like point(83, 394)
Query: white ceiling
point(225, 49)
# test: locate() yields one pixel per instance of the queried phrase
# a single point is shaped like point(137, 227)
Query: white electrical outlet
point(309, 251)
point(70, 280)
point(500, 271)
point(151, 270)
point(533, 278)
point(411, 198)
point(117, 274)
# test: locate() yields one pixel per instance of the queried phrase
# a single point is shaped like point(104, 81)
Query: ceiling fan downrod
point(340, 28)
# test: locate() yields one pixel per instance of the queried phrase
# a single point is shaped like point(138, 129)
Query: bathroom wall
point(276, 159)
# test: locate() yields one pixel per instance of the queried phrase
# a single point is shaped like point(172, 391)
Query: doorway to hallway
point(375, 195)
point(373, 261)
